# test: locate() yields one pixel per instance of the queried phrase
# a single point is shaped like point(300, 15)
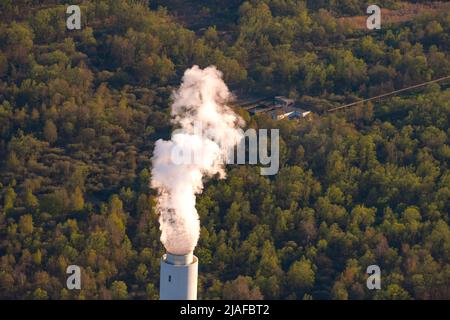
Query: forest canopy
point(80, 111)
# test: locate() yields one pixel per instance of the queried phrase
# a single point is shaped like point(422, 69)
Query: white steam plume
point(209, 130)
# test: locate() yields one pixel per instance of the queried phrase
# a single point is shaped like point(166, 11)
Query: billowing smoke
point(208, 131)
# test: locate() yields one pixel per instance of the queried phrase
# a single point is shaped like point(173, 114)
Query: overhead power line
point(387, 94)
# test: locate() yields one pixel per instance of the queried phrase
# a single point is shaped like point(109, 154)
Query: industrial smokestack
point(207, 130)
point(178, 277)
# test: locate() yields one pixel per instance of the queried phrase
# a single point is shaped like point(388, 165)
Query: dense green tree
point(80, 113)
point(301, 277)
point(50, 131)
point(242, 288)
point(119, 290)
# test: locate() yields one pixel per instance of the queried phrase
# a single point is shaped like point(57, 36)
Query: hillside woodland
point(80, 112)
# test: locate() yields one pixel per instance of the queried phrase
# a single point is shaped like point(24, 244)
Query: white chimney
point(178, 277)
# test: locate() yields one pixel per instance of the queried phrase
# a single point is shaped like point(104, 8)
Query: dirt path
point(406, 12)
